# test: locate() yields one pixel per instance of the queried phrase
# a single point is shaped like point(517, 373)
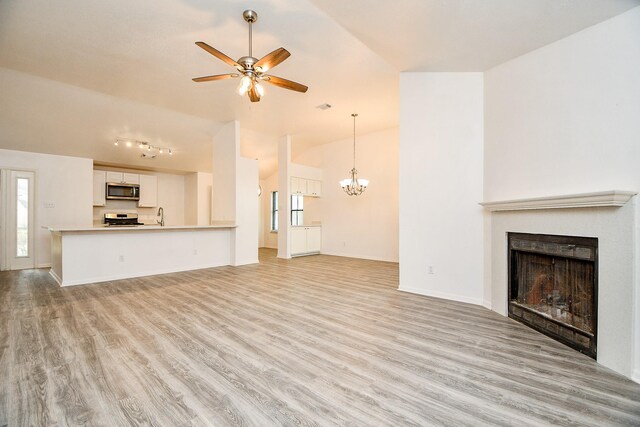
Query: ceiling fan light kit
point(353, 185)
point(252, 69)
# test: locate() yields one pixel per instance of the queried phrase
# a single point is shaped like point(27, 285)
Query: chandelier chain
point(354, 139)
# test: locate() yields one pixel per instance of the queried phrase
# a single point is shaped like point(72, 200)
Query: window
point(22, 217)
point(297, 210)
point(274, 211)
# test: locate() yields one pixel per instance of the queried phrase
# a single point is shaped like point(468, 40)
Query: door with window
point(19, 199)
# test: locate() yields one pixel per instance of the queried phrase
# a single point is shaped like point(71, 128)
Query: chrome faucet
point(161, 215)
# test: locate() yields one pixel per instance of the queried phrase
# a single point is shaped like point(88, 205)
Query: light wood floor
point(312, 341)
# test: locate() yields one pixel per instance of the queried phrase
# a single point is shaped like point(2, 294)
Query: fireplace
point(553, 287)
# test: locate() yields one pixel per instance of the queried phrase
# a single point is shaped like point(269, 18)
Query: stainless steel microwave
point(121, 191)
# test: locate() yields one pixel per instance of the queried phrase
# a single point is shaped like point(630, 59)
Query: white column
point(284, 196)
point(441, 167)
point(234, 195)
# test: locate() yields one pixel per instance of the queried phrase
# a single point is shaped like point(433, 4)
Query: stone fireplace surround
point(610, 217)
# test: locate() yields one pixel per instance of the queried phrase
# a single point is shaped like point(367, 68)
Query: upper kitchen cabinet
point(305, 187)
point(314, 188)
point(123, 177)
point(99, 181)
point(298, 185)
point(148, 191)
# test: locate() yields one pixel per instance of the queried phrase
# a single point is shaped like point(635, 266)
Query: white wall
point(364, 226)
point(197, 198)
point(269, 238)
point(234, 193)
point(636, 362)
point(245, 236)
point(564, 119)
point(65, 182)
point(284, 203)
point(226, 149)
point(441, 224)
point(203, 210)
point(170, 197)
point(191, 198)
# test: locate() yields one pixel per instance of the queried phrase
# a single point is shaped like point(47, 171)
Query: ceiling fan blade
point(218, 54)
point(272, 59)
point(216, 77)
point(284, 83)
point(254, 96)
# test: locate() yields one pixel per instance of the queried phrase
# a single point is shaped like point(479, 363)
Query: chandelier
point(354, 186)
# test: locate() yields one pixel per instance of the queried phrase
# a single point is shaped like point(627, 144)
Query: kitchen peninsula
point(99, 254)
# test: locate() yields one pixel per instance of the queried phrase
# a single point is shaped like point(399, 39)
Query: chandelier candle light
point(354, 186)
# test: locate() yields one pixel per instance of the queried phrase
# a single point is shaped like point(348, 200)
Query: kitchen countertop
point(136, 228)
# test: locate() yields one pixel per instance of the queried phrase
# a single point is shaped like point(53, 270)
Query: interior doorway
point(17, 195)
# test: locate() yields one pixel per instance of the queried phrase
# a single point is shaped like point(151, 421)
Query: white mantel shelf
point(614, 198)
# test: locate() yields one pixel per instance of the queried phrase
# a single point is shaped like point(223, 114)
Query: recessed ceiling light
point(324, 106)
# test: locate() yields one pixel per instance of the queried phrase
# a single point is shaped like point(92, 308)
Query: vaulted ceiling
point(349, 53)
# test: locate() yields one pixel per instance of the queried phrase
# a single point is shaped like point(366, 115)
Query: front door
point(20, 205)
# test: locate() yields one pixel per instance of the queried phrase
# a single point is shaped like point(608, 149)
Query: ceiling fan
point(252, 70)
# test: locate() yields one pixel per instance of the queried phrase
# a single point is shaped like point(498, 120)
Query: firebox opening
point(553, 287)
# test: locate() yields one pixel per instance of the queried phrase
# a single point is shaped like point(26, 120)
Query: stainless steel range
point(121, 219)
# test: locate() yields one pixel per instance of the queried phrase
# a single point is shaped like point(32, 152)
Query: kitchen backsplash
point(145, 215)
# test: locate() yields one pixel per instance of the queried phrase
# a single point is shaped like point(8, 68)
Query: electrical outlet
point(195, 252)
point(121, 258)
point(430, 269)
point(49, 205)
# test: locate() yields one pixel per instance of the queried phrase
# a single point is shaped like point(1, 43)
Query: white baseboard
point(372, 258)
point(486, 304)
point(55, 277)
point(255, 261)
point(636, 375)
point(443, 295)
point(45, 265)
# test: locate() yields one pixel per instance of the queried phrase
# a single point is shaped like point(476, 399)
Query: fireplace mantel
point(614, 198)
point(607, 216)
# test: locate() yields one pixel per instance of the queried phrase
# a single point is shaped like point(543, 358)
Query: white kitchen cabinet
point(131, 178)
point(148, 191)
point(305, 187)
point(314, 188)
point(314, 239)
point(305, 240)
point(298, 240)
point(298, 185)
point(99, 188)
point(122, 177)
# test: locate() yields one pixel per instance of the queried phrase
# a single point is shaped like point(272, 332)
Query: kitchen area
point(98, 222)
point(120, 192)
point(133, 235)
